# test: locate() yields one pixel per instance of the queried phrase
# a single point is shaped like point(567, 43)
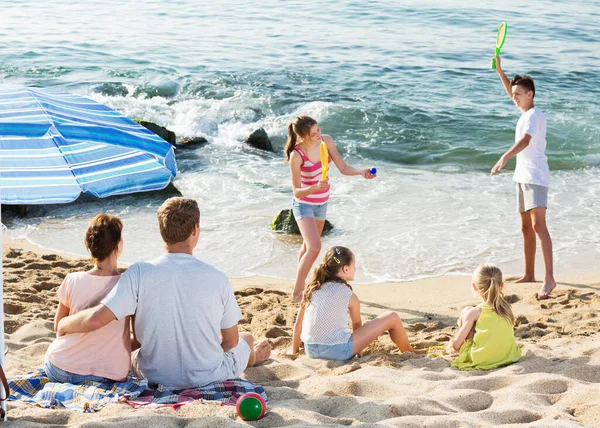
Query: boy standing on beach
point(532, 176)
point(186, 315)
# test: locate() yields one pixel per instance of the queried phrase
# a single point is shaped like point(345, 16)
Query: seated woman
point(104, 354)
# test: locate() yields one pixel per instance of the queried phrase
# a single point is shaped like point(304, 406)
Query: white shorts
point(236, 359)
point(530, 196)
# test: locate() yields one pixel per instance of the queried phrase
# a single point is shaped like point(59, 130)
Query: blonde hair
point(333, 261)
point(488, 279)
point(177, 218)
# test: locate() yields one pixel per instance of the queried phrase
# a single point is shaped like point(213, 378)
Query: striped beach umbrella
point(55, 145)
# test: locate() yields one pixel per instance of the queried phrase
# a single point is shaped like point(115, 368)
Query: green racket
point(499, 41)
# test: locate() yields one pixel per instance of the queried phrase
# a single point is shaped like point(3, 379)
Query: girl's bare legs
point(311, 230)
point(388, 321)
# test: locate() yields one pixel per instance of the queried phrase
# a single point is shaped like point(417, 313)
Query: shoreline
point(444, 295)
point(240, 281)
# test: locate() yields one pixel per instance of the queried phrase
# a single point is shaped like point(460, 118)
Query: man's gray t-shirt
point(180, 305)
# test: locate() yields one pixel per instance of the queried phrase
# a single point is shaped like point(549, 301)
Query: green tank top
point(493, 345)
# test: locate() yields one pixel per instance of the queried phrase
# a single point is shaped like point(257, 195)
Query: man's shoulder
point(210, 270)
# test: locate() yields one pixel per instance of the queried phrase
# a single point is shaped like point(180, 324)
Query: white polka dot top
point(326, 316)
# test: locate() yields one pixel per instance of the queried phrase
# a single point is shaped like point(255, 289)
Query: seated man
point(185, 312)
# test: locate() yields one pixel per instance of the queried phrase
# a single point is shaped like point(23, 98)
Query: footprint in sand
point(514, 416)
point(512, 298)
point(13, 308)
point(547, 386)
point(45, 286)
point(275, 332)
point(416, 327)
point(484, 384)
point(521, 320)
point(248, 292)
point(467, 401)
point(14, 265)
point(280, 320)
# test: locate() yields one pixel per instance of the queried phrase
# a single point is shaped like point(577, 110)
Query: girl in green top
point(486, 338)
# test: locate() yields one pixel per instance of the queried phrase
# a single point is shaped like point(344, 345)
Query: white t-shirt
point(326, 317)
point(180, 305)
point(532, 163)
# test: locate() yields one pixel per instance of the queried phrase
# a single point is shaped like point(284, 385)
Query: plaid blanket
point(224, 393)
point(35, 388)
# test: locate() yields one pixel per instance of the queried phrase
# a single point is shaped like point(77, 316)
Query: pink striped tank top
point(310, 174)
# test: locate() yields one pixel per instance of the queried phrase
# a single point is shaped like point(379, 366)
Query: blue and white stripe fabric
point(55, 145)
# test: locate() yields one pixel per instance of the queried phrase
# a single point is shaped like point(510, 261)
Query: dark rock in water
point(285, 222)
point(260, 140)
point(161, 131)
point(111, 89)
point(192, 142)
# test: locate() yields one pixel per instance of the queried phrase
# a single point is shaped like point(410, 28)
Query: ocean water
point(402, 86)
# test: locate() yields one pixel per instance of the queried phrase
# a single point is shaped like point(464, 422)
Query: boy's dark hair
point(524, 81)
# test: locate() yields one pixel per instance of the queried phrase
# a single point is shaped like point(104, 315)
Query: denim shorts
point(302, 210)
point(339, 352)
point(59, 375)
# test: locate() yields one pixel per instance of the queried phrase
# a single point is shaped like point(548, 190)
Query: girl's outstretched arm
point(297, 331)
point(467, 321)
point(339, 161)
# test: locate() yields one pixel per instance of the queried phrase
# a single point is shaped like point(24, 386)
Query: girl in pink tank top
point(103, 354)
point(311, 192)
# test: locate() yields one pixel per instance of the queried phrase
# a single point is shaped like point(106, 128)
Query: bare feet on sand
point(545, 290)
point(262, 351)
point(525, 278)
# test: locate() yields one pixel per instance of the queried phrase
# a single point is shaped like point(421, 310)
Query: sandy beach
point(557, 382)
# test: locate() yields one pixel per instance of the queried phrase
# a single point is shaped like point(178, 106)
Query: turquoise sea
point(404, 86)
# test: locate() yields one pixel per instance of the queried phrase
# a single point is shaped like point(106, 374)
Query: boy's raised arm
point(502, 75)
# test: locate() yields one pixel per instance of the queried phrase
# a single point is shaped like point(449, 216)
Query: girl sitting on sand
point(322, 322)
point(486, 338)
point(104, 354)
point(311, 192)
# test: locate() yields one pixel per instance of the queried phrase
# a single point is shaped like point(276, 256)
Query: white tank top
point(326, 316)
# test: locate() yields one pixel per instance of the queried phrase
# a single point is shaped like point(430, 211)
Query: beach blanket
point(35, 388)
point(223, 393)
